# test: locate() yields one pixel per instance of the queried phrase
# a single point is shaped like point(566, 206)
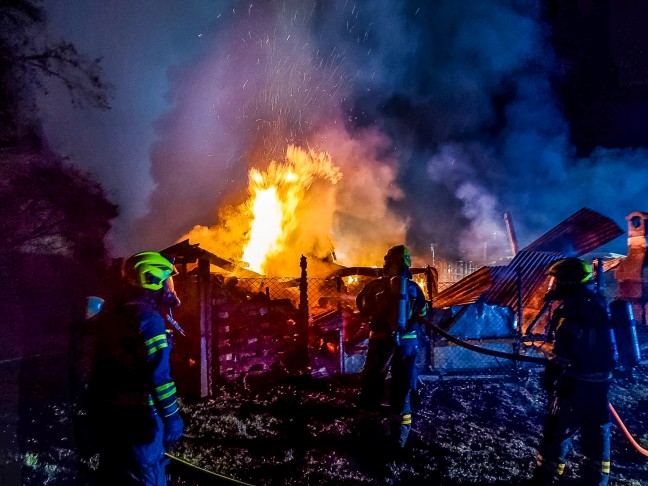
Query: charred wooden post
point(207, 362)
point(338, 287)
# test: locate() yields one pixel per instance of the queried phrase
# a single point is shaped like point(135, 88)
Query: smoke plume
point(440, 115)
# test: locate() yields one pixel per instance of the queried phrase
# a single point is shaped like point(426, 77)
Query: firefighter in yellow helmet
point(393, 304)
point(132, 394)
point(577, 377)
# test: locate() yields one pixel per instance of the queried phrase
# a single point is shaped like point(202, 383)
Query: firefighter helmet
point(567, 275)
point(148, 270)
point(397, 258)
point(571, 271)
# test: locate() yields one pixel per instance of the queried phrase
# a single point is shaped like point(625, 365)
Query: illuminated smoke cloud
point(384, 88)
point(263, 86)
point(270, 82)
point(441, 116)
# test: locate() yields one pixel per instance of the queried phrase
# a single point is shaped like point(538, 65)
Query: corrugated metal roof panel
point(499, 285)
point(579, 234)
point(466, 291)
point(582, 232)
point(529, 268)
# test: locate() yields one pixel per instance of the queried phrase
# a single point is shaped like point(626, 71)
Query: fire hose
point(212, 477)
point(478, 349)
point(531, 359)
point(627, 434)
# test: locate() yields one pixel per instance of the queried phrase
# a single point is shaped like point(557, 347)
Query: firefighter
point(577, 377)
point(133, 402)
point(393, 304)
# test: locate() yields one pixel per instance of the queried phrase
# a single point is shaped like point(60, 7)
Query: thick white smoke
point(442, 115)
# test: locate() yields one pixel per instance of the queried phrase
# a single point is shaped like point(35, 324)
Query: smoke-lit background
point(441, 114)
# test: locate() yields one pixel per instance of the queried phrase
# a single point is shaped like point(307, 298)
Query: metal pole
point(432, 288)
point(303, 314)
point(431, 281)
point(341, 346)
point(600, 285)
point(519, 298)
point(338, 285)
point(511, 232)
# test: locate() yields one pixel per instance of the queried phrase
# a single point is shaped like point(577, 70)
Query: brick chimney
point(632, 272)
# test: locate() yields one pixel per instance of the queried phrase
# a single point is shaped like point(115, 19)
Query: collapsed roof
point(581, 233)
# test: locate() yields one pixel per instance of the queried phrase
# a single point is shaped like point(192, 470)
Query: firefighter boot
point(402, 430)
point(547, 476)
point(595, 473)
point(542, 477)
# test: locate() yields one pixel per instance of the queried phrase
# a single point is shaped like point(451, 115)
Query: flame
point(266, 227)
point(276, 197)
point(289, 210)
point(421, 280)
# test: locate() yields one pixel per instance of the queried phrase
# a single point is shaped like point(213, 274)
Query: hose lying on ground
point(214, 478)
point(620, 423)
point(532, 359)
point(479, 349)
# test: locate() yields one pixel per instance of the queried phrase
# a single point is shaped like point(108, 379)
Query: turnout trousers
point(383, 355)
point(583, 410)
point(129, 462)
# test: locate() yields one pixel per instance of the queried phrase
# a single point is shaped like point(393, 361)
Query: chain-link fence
point(451, 272)
point(287, 324)
point(268, 324)
point(265, 324)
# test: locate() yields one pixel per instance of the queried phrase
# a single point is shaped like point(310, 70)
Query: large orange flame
point(266, 227)
point(289, 210)
point(277, 197)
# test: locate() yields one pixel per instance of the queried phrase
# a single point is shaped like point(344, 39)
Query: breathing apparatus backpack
point(625, 334)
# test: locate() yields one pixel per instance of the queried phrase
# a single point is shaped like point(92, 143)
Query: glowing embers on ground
point(278, 197)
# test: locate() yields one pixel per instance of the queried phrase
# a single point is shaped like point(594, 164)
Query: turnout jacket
point(132, 378)
point(584, 345)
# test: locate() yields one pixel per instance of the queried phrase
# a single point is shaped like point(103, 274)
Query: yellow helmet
point(400, 255)
point(571, 271)
point(148, 270)
point(397, 261)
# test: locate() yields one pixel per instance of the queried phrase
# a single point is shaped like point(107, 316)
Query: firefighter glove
point(173, 429)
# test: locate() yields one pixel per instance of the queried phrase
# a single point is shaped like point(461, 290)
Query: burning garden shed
point(240, 324)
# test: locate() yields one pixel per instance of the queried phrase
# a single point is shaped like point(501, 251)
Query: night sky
point(451, 112)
